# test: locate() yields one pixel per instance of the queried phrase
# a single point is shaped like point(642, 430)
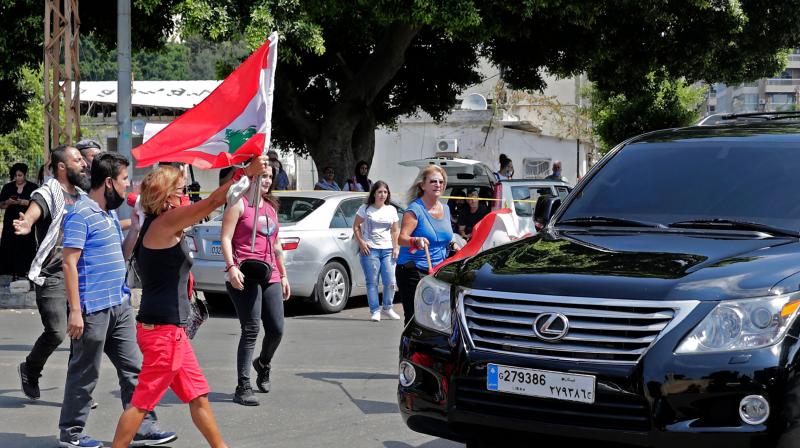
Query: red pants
point(169, 361)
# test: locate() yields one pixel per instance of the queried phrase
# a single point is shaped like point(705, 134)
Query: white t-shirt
point(377, 226)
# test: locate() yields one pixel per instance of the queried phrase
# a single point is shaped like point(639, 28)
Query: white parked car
point(316, 235)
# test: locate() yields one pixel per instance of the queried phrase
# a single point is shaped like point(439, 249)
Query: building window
point(536, 168)
point(781, 101)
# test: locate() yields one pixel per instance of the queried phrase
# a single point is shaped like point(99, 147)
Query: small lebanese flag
point(229, 126)
point(496, 228)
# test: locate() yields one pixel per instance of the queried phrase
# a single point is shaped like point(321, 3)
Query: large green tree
point(348, 66)
point(661, 103)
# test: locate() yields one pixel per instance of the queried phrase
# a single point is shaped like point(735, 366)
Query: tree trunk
point(346, 134)
point(342, 148)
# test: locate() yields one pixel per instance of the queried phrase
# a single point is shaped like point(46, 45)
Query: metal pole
point(578, 163)
point(124, 82)
point(124, 77)
point(255, 201)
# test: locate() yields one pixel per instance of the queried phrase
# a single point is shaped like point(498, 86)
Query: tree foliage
point(26, 142)
point(193, 58)
point(662, 103)
point(349, 66)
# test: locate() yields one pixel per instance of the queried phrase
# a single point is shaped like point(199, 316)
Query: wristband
point(229, 266)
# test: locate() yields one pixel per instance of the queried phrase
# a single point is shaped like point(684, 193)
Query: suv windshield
point(670, 182)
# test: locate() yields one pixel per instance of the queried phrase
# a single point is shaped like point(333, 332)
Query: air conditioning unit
point(446, 145)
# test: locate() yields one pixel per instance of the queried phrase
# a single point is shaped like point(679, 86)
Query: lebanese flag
point(498, 227)
point(229, 126)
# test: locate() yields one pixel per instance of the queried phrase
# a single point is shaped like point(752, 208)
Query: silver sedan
point(320, 251)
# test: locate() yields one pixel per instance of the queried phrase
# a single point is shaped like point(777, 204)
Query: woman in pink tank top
point(258, 298)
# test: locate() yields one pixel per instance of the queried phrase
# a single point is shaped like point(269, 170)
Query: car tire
point(333, 288)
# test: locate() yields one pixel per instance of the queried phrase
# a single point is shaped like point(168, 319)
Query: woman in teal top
point(426, 222)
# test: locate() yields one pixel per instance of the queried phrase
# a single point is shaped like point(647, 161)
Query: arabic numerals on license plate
point(516, 376)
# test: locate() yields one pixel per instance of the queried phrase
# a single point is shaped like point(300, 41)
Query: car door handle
point(343, 236)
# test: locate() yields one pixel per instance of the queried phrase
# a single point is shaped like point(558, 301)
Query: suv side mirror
point(546, 207)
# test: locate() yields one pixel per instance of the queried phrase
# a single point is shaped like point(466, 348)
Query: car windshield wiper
point(732, 224)
point(609, 221)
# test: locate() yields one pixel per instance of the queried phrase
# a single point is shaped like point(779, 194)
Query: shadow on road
point(10, 439)
point(170, 399)
point(25, 348)
point(368, 407)
point(18, 402)
point(221, 306)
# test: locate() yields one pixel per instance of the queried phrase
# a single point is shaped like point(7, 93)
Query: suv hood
point(630, 265)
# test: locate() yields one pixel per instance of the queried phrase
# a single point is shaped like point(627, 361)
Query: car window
point(346, 213)
point(293, 209)
point(562, 192)
point(529, 195)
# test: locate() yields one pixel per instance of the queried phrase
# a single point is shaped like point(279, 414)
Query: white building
point(533, 133)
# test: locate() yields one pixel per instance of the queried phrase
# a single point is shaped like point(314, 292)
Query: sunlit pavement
point(333, 385)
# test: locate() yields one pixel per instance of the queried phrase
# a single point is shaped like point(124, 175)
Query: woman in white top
point(376, 229)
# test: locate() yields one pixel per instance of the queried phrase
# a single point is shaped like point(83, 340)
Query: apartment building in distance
point(767, 94)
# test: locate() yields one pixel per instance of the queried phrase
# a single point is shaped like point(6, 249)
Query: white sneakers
point(386, 314)
point(390, 314)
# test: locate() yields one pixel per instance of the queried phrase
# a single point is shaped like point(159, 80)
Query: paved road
point(334, 381)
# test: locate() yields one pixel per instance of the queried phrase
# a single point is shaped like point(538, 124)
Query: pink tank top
point(267, 228)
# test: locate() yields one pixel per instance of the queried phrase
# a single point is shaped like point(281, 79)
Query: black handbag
point(258, 271)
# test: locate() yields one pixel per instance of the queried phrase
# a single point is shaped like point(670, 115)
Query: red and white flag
point(496, 228)
point(229, 126)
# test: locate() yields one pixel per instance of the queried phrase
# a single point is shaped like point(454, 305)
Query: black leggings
point(253, 308)
point(407, 276)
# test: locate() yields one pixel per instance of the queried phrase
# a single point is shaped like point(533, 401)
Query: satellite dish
point(474, 101)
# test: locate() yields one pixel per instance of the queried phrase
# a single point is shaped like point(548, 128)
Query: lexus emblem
point(550, 326)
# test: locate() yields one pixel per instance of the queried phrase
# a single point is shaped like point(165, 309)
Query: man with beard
point(49, 204)
point(101, 318)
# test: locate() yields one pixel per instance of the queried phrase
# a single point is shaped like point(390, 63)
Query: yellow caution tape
point(361, 192)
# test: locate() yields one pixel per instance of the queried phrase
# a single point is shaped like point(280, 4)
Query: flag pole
point(272, 59)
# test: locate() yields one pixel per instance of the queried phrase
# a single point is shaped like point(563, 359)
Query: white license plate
point(540, 383)
point(216, 248)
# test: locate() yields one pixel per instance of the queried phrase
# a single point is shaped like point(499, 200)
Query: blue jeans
point(378, 262)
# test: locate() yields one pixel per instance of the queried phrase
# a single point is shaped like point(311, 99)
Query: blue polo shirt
point(101, 267)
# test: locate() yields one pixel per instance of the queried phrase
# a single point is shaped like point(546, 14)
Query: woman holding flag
point(162, 255)
point(256, 282)
point(425, 235)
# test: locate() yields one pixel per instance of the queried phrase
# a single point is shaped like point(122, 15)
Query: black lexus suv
point(656, 308)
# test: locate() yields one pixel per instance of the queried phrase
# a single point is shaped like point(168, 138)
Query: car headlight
point(432, 305)
point(743, 325)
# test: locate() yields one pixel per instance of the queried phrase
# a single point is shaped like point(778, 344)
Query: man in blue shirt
point(101, 318)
